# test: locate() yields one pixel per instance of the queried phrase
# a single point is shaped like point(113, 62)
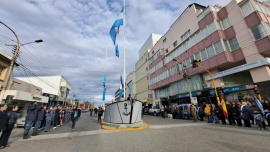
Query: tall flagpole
point(124, 49)
point(105, 69)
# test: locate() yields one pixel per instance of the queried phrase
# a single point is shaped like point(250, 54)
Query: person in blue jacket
point(49, 118)
point(40, 114)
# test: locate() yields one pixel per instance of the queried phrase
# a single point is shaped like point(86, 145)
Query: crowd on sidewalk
point(242, 113)
point(39, 117)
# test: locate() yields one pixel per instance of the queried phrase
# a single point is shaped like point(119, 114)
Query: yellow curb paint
point(145, 126)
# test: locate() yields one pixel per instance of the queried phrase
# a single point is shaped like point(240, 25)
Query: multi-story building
point(57, 88)
point(117, 95)
point(143, 92)
point(232, 42)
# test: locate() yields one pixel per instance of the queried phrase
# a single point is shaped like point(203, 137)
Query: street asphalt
point(162, 135)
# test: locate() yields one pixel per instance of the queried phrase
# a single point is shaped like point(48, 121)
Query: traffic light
point(195, 63)
point(256, 90)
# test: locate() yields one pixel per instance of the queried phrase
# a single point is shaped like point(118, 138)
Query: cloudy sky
point(76, 34)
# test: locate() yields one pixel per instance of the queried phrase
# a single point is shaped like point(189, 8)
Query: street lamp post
point(13, 60)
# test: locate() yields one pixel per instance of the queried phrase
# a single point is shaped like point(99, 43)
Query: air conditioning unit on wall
point(207, 85)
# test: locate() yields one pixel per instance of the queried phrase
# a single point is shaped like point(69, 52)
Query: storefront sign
point(194, 100)
point(37, 98)
point(239, 88)
point(240, 68)
point(193, 94)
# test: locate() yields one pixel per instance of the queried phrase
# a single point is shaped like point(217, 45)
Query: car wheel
point(155, 114)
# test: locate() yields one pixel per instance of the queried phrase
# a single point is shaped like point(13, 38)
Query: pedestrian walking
point(229, 111)
point(100, 113)
point(74, 117)
point(91, 112)
point(66, 115)
point(95, 111)
point(235, 113)
point(12, 119)
point(201, 112)
point(79, 112)
point(162, 112)
point(215, 113)
point(30, 119)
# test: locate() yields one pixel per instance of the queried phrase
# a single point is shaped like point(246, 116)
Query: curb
point(145, 126)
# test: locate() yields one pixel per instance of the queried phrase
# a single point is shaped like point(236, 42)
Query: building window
point(198, 56)
point(164, 40)
point(234, 44)
point(204, 32)
point(226, 23)
point(204, 55)
point(185, 35)
point(258, 32)
point(267, 27)
point(247, 9)
point(226, 45)
point(146, 68)
point(174, 43)
point(166, 51)
point(210, 51)
point(153, 52)
point(218, 47)
point(212, 27)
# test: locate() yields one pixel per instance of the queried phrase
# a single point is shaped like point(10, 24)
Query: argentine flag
point(121, 87)
point(259, 105)
point(115, 30)
point(104, 88)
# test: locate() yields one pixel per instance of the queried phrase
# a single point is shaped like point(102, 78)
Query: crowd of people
point(242, 113)
point(38, 117)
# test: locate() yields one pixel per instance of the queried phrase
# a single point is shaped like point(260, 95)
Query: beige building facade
point(231, 41)
point(143, 92)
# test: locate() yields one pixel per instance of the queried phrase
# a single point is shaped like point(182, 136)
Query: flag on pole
point(259, 105)
point(104, 88)
point(121, 87)
point(115, 30)
point(223, 105)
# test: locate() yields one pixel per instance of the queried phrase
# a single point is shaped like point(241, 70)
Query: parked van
point(185, 111)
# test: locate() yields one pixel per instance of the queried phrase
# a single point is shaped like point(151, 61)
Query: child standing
point(258, 118)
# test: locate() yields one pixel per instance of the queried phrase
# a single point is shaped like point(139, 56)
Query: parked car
point(85, 110)
point(20, 122)
point(155, 110)
point(185, 112)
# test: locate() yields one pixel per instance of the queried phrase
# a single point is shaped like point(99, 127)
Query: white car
point(20, 122)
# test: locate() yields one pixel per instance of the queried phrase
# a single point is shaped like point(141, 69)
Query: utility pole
point(13, 60)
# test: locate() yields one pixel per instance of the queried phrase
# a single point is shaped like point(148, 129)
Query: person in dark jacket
point(30, 119)
point(43, 123)
point(100, 113)
point(40, 116)
point(221, 115)
point(245, 113)
point(229, 110)
point(12, 119)
point(56, 117)
point(235, 113)
point(3, 117)
point(80, 112)
point(49, 118)
point(74, 117)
